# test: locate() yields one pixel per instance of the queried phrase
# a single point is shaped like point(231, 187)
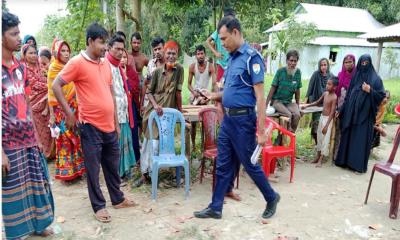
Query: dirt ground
point(324, 203)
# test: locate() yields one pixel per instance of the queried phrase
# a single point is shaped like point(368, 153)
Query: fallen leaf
point(177, 203)
point(183, 219)
point(375, 226)
point(61, 219)
point(265, 221)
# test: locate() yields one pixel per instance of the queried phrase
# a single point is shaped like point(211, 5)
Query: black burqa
point(357, 117)
point(316, 88)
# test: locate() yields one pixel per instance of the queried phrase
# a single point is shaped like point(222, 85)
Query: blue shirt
point(245, 69)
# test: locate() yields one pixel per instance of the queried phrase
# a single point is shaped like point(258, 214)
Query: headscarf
point(24, 49)
point(358, 104)
point(55, 67)
point(318, 81)
point(171, 44)
point(345, 76)
point(56, 49)
point(36, 80)
point(27, 38)
point(116, 63)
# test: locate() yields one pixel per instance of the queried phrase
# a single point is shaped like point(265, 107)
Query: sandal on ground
point(103, 216)
point(126, 204)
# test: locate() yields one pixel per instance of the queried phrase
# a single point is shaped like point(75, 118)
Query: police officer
point(243, 89)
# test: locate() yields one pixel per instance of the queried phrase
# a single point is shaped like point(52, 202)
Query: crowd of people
point(90, 111)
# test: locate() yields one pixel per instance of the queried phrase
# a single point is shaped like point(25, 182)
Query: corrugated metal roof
point(331, 18)
point(386, 32)
point(342, 41)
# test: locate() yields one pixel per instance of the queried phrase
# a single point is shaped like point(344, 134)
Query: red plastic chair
point(209, 118)
point(270, 152)
point(392, 170)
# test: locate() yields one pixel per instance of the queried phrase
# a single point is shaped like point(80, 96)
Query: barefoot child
point(329, 100)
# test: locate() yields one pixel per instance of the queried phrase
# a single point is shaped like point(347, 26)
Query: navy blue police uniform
point(237, 135)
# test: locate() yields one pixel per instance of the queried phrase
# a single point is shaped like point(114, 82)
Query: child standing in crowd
point(329, 100)
point(378, 129)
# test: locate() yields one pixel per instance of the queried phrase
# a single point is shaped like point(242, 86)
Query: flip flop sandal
point(103, 216)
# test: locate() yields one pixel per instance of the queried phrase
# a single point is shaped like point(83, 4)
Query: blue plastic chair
point(167, 156)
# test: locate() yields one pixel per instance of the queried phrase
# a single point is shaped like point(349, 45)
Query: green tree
point(391, 58)
point(295, 35)
point(71, 27)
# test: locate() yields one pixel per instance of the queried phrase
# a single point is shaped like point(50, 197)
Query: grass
point(393, 85)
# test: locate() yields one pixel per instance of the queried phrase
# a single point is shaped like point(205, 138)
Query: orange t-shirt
point(92, 82)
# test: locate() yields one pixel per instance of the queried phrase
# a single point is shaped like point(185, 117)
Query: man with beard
point(98, 121)
point(286, 82)
point(164, 91)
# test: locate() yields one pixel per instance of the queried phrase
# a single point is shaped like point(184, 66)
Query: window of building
point(333, 54)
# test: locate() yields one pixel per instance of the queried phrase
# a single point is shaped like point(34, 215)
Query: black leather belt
point(238, 111)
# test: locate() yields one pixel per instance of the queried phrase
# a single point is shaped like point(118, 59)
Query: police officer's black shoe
point(208, 213)
point(271, 207)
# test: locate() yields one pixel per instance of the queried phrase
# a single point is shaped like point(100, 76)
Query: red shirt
point(17, 126)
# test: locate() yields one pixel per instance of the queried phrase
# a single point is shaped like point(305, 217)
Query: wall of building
point(310, 55)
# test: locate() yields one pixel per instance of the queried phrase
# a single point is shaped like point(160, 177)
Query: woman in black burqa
point(357, 116)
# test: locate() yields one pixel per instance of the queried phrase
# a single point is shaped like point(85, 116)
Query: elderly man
point(287, 81)
point(164, 91)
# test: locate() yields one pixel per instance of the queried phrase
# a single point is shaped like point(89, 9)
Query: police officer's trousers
point(236, 143)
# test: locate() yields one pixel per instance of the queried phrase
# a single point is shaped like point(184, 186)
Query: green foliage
point(385, 11)
point(296, 35)
point(391, 58)
point(71, 27)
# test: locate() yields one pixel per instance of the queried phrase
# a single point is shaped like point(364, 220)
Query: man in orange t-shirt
point(97, 119)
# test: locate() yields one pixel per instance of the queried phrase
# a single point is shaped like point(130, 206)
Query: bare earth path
point(316, 206)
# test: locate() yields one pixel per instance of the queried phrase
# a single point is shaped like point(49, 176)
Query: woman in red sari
point(38, 99)
point(69, 158)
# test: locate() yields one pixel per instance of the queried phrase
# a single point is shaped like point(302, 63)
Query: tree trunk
point(104, 9)
point(136, 8)
point(120, 17)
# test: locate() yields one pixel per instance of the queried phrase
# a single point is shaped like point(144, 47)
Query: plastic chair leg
point(394, 198)
point(272, 165)
point(178, 177)
point(187, 179)
point(369, 185)
point(265, 164)
point(154, 182)
point(292, 162)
